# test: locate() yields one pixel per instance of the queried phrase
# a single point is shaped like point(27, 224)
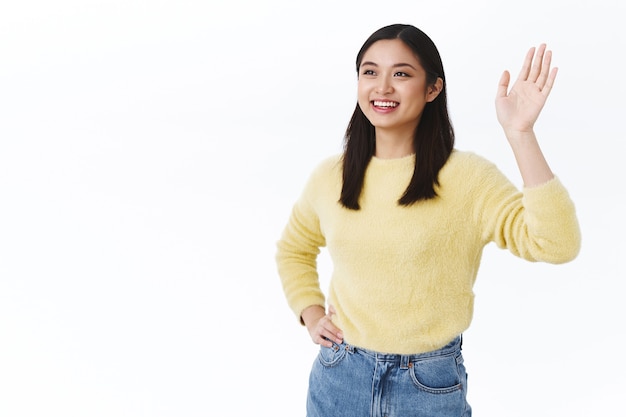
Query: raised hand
point(518, 109)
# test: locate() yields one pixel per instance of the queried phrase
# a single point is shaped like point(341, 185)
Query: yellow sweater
point(403, 276)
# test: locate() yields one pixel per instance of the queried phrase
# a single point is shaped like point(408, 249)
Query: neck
point(391, 145)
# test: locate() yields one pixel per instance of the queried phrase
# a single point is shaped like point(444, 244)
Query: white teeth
point(385, 103)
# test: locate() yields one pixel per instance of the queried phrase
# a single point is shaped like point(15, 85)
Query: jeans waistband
point(450, 348)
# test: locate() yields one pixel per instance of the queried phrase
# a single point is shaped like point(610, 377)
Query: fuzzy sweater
point(403, 276)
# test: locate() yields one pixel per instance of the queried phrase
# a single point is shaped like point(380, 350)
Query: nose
point(384, 85)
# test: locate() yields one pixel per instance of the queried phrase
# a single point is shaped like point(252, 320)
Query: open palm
point(518, 109)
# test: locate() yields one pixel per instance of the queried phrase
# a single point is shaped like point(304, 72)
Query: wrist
point(520, 136)
point(312, 314)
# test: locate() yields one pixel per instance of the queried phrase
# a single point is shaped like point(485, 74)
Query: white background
point(150, 152)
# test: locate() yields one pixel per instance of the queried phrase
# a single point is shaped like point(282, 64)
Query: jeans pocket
point(332, 356)
point(437, 375)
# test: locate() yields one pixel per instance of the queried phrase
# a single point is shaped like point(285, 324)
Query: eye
point(368, 72)
point(401, 74)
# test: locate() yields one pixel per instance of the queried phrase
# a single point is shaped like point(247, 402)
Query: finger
point(328, 329)
point(523, 74)
point(503, 84)
point(326, 337)
point(545, 70)
point(331, 310)
point(323, 341)
point(333, 332)
point(549, 82)
point(333, 338)
point(324, 334)
point(537, 63)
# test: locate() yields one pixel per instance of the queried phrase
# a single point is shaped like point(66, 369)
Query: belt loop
point(404, 361)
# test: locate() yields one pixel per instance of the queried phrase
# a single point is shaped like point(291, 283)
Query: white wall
point(150, 152)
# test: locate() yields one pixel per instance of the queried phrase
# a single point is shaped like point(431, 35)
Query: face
point(392, 88)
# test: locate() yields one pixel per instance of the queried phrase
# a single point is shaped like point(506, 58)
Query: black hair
point(433, 139)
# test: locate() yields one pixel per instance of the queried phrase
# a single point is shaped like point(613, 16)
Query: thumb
point(503, 85)
point(331, 309)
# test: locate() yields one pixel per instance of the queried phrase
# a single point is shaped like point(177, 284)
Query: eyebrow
point(401, 64)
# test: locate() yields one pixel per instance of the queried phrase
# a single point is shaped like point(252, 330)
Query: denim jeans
point(347, 381)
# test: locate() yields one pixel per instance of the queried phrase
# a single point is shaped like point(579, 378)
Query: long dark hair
point(433, 140)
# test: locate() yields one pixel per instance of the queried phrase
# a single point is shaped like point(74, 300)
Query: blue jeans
point(347, 381)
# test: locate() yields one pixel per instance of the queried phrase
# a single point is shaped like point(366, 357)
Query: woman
point(405, 218)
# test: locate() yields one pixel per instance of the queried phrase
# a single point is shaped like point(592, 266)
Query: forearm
point(531, 162)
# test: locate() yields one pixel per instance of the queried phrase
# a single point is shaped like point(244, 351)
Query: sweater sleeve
point(537, 224)
point(297, 252)
point(551, 217)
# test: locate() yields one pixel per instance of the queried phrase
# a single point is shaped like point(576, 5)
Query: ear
point(434, 90)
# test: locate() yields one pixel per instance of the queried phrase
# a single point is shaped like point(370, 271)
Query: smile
point(385, 104)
